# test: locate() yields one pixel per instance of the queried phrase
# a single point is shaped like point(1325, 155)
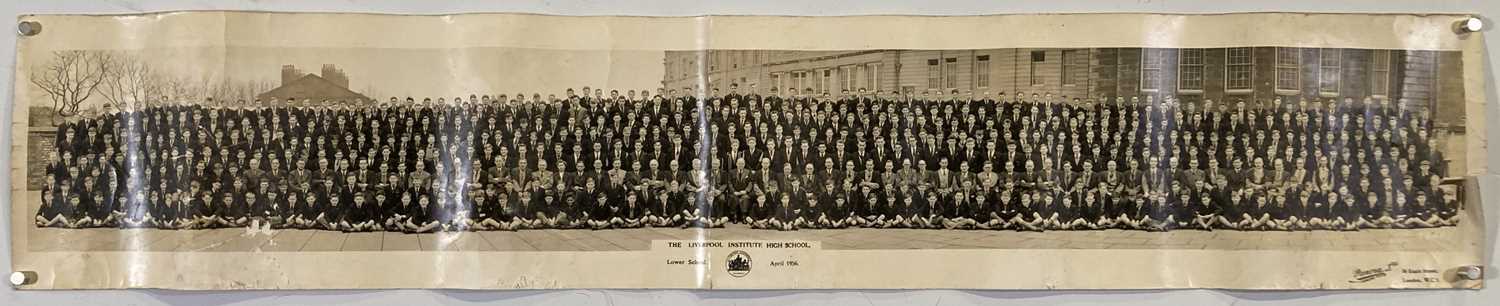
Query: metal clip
point(1468, 25)
point(22, 278)
point(29, 28)
point(1471, 272)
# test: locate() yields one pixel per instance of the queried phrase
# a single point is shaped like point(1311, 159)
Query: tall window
point(934, 74)
point(950, 72)
point(1075, 67)
point(1037, 58)
point(846, 77)
point(1329, 69)
point(812, 81)
point(796, 82)
point(857, 77)
point(826, 83)
point(802, 82)
point(1380, 73)
point(982, 71)
point(791, 81)
point(734, 59)
point(1190, 69)
point(815, 79)
point(872, 76)
point(1288, 69)
point(1151, 60)
point(776, 81)
point(842, 77)
point(1238, 69)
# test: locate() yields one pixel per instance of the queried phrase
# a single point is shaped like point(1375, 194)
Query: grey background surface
point(1490, 8)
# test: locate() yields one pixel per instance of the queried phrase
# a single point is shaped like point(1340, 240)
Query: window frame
point(777, 81)
point(950, 73)
point(1248, 65)
point(934, 74)
point(982, 71)
point(1031, 70)
point(1071, 76)
point(1148, 57)
point(846, 79)
point(825, 81)
point(1385, 74)
point(1295, 66)
point(1186, 69)
point(1324, 68)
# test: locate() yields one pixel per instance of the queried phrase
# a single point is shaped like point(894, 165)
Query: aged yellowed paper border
point(817, 267)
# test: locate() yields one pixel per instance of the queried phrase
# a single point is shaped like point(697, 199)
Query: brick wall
point(1109, 72)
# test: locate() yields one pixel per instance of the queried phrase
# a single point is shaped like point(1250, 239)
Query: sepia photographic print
point(283, 157)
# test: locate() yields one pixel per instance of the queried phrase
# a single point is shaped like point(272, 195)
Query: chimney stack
point(289, 73)
point(335, 75)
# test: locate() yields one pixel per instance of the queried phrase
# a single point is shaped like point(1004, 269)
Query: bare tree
point(129, 80)
point(251, 89)
point(237, 92)
point(71, 77)
point(218, 90)
point(209, 87)
point(179, 88)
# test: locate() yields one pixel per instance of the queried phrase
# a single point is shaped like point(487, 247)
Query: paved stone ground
point(234, 240)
